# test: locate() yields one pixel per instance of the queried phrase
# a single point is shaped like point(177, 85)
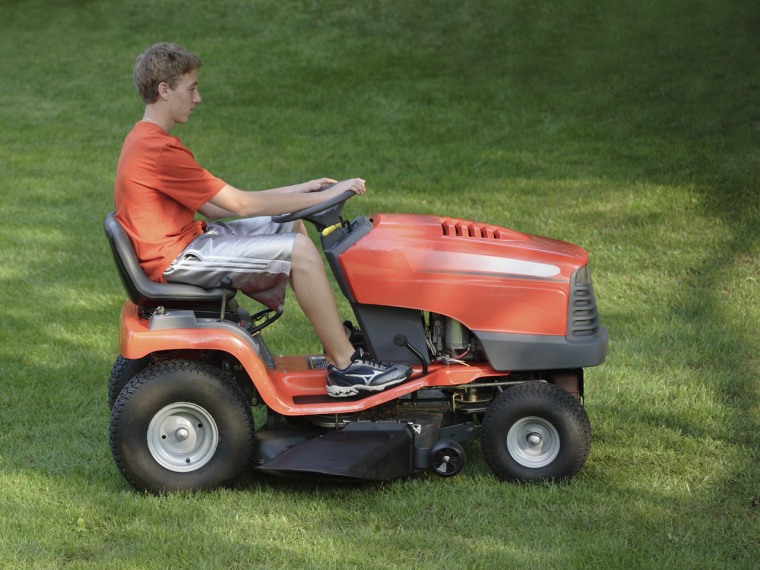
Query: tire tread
point(531, 395)
point(200, 371)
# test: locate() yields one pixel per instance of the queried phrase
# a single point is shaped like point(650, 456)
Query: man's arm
point(233, 202)
point(211, 212)
point(310, 186)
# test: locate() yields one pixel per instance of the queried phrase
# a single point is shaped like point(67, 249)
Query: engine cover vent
point(462, 228)
point(583, 316)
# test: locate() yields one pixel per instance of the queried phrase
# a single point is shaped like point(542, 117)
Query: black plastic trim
point(513, 352)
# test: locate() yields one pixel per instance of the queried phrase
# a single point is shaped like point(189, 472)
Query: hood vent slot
point(461, 228)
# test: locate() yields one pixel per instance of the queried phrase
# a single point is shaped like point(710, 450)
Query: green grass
point(631, 128)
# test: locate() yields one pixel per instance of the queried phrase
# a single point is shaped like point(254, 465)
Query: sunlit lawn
point(630, 128)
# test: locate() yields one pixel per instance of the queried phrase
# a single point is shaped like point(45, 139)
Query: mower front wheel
point(181, 425)
point(535, 432)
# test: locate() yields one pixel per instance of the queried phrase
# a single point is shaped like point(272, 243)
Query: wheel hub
point(534, 439)
point(533, 442)
point(182, 437)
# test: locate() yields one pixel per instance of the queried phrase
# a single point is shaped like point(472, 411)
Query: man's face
point(184, 96)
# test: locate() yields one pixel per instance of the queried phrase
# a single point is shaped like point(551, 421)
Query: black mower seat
point(146, 293)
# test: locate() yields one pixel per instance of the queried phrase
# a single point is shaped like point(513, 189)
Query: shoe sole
point(348, 391)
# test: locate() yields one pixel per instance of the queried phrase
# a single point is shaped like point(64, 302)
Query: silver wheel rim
point(533, 442)
point(182, 437)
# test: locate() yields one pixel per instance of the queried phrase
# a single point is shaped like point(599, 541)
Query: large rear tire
point(122, 371)
point(181, 425)
point(535, 432)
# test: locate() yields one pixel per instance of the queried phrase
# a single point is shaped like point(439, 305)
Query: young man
point(159, 188)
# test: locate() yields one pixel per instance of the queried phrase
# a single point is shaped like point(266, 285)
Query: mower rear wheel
point(122, 371)
point(181, 425)
point(535, 432)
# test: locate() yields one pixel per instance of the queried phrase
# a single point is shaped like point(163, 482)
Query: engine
point(450, 341)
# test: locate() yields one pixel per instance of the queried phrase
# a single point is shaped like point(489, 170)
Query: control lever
point(226, 284)
point(402, 340)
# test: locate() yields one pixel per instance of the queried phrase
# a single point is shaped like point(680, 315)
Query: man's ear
point(163, 90)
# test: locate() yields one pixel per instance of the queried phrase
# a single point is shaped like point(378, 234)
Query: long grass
point(630, 128)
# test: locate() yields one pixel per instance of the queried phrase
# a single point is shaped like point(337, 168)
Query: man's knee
point(304, 251)
point(299, 227)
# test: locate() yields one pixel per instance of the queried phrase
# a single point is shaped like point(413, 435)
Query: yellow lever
point(330, 229)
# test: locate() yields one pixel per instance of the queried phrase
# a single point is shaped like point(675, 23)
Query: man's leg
point(312, 289)
point(225, 251)
point(345, 377)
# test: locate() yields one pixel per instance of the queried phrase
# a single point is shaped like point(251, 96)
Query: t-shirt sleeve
point(182, 178)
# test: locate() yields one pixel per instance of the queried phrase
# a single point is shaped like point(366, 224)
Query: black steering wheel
point(321, 215)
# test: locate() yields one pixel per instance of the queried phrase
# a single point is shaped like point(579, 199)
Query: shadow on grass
point(692, 111)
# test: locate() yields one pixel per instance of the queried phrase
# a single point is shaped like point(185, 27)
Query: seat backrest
point(146, 293)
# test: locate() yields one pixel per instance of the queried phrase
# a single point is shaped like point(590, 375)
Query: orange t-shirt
point(159, 188)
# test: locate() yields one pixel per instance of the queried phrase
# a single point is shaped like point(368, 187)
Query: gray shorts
point(254, 253)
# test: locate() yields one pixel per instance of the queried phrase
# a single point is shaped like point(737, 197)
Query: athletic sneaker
point(364, 375)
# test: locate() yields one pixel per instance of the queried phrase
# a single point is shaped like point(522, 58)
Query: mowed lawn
point(630, 128)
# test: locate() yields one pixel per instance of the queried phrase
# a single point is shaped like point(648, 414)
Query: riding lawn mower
point(497, 325)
